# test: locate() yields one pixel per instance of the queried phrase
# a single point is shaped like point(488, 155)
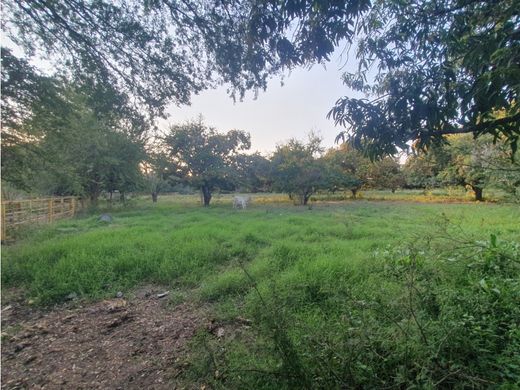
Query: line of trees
point(68, 137)
point(202, 158)
point(430, 71)
point(462, 160)
point(75, 149)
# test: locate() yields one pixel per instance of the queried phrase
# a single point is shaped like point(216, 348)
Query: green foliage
point(254, 172)
point(161, 51)
point(69, 148)
point(204, 158)
point(346, 169)
point(421, 170)
point(296, 168)
point(479, 164)
point(386, 174)
point(443, 68)
point(125, 47)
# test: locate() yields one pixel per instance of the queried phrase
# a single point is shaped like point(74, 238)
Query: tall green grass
point(358, 294)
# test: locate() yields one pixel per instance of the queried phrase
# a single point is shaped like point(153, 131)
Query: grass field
point(352, 294)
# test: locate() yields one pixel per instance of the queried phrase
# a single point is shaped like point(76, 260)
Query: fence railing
point(16, 213)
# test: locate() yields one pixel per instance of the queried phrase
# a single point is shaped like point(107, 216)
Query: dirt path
point(114, 344)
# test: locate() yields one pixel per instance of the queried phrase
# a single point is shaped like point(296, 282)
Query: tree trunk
point(94, 198)
point(206, 195)
point(478, 193)
point(354, 192)
point(306, 198)
point(154, 197)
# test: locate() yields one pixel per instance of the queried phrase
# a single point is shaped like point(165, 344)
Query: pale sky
point(279, 113)
point(276, 115)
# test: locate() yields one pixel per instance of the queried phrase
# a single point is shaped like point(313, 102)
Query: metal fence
point(16, 213)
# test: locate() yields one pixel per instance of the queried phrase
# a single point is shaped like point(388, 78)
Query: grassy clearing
point(361, 293)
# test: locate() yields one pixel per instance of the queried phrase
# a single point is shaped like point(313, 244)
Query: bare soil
point(135, 343)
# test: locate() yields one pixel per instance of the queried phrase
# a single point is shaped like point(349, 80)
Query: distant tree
point(469, 162)
point(386, 174)
point(420, 171)
point(205, 158)
point(254, 172)
point(64, 146)
point(505, 171)
point(422, 168)
point(296, 168)
point(347, 169)
point(156, 171)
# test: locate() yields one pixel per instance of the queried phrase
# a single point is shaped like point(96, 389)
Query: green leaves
point(429, 68)
point(203, 157)
point(296, 168)
point(443, 68)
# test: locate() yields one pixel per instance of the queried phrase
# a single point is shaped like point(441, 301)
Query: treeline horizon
point(70, 138)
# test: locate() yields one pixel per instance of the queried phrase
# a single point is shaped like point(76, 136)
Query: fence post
point(4, 227)
point(51, 206)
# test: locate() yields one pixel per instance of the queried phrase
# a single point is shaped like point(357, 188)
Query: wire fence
point(17, 213)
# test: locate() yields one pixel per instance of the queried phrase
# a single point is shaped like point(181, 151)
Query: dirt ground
point(119, 343)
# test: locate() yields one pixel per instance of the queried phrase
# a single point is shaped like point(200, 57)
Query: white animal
point(241, 202)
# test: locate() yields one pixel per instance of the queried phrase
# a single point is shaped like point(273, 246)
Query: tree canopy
point(67, 147)
point(443, 67)
point(428, 67)
point(296, 168)
point(205, 158)
point(347, 169)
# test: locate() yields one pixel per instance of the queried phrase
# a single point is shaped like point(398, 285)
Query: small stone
point(71, 296)
point(162, 295)
point(119, 294)
point(220, 332)
point(30, 359)
point(19, 347)
point(105, 218)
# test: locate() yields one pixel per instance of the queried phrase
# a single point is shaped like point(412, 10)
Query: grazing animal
point(241, 202)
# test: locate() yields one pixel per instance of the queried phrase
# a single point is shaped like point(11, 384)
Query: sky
point(279, 113)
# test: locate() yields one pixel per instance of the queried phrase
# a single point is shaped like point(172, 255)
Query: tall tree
point(66, 147)
point(477, 164)
point(205, 158)
point(386, 174)
point(347, 169)
point(296, 168)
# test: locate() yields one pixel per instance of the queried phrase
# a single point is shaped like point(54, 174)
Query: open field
point(343, 294)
